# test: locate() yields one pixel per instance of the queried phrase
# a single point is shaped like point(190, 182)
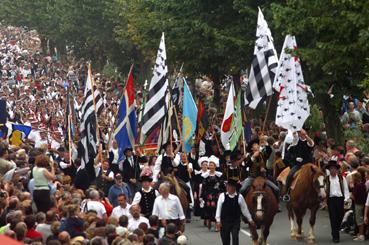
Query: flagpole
point(69, 141)
point(94, 101)
point(266, 114)
point(114, 124)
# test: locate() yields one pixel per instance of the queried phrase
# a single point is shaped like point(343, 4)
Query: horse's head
point(319, 182)
point(258, 198)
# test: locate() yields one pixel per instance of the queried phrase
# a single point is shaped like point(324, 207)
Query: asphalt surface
point(197, 234)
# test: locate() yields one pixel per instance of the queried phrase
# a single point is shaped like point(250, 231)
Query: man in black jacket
point(131, 170)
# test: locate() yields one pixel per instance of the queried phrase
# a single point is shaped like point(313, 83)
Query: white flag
point(226, 128)
point(293, 105)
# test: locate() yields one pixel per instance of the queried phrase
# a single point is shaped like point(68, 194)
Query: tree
point(210, 37)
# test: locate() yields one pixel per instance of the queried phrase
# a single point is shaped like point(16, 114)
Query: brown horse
point(263, 206)
point(176, 189)
point(307, 190)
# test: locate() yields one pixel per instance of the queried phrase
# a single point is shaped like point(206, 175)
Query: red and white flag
point(226, 132)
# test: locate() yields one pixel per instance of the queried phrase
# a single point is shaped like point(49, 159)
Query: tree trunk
point(331, 119)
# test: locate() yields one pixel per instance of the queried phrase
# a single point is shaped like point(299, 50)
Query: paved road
point(279, 235)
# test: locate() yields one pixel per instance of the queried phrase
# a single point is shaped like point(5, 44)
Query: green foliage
point(315, 121)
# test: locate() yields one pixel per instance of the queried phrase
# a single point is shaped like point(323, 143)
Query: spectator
point(94, 204)
point(136, 218)
point(30, 221)
point(118, 188)
point(358, 196)
point(123, 208)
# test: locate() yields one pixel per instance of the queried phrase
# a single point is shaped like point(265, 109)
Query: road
point(197, 234)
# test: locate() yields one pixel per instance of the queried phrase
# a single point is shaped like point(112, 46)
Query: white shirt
point(137, 197)
point(367, 201)
point(245, 211)
point(168, 208)
point(98, 207)
point(335, 188)
point(119, 211)
point(157, 167)
point(134, 223)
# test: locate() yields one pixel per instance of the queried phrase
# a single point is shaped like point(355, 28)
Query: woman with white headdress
point(210, 189)
point(197, 181)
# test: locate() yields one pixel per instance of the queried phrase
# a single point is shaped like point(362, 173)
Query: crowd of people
point(47, 198)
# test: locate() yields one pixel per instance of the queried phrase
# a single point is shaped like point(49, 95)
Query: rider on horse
point(255, 160)
point(298, 154)
point(167, 162)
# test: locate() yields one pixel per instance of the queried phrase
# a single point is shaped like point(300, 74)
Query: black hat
point(227, 153)
point(145, 178)
point(127, 149)
point(235, 155)
point(174, 145)
point(118, 176)
point(232, 182)
point(249, 145)
point(333, 163)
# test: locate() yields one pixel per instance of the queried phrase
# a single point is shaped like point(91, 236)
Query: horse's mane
point(174, 182)
point(308, 170)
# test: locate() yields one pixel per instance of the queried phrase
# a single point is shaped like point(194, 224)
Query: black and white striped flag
point(263, 67)
point(89, 121)
point(154, 110)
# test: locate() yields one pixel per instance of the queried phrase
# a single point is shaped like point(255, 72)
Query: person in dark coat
point(131, 170)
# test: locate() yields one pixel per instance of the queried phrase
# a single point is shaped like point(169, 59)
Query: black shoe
point(335, 240)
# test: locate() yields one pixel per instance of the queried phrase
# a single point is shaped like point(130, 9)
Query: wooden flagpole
point(114, 123)
point(69, 140)
point(266, 114)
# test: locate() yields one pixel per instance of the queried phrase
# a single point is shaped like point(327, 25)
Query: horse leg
point(291, 217)
point(311, 236)
point(266, 234)
point(254, 235)
point(299, 217)
point(261, 237)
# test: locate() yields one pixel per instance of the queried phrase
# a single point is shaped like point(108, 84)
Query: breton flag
point(263, 67)
point(126, 131)
point(189, 117)
point(92, 105)
point(154, 110)
point(177, 92)
point(293, 105)
point(226, 128)
point(166, 126)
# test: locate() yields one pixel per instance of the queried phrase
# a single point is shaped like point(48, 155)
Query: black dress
point(212, 186)
point(197, 181)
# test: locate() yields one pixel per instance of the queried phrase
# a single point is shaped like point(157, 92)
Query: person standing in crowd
point(114, 157)
point(42, 176)
point(358, 196)
point(146, 196)
point(193, 158)
point(123, 208)
point(230, 206)
point(136, 218)
point(5, 165)
point(131, 170)
point(118, 188)
point(197, 181)
point(351, 119)
point(168, 207)
point(105, 177)
point(338, 194)
point(166, 162)
point(94, 204)
point(210, 189)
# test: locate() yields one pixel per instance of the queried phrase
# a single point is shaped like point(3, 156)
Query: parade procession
point(161, 122)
